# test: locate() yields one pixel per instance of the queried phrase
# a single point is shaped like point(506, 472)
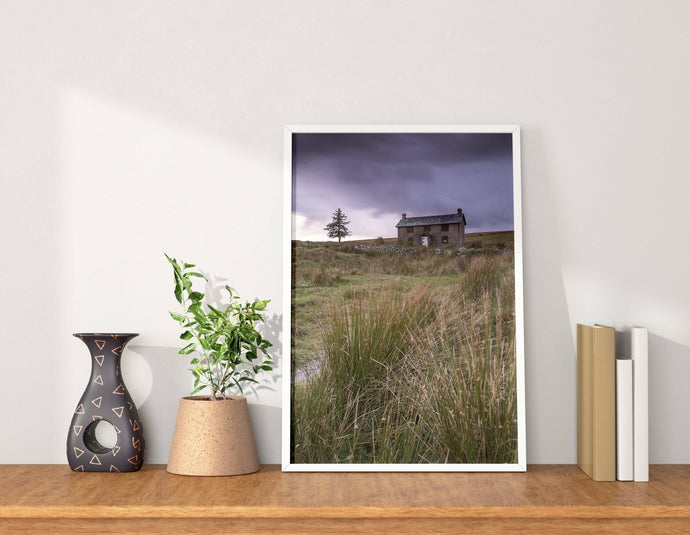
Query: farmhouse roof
point(447, 219)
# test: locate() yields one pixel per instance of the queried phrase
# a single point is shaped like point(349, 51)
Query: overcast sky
point(374, 178)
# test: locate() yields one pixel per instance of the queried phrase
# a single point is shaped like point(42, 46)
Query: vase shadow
point(171, 381)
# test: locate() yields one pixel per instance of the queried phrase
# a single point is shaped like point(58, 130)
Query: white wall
point(132, 128)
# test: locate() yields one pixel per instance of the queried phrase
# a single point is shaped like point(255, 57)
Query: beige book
point(596, 402)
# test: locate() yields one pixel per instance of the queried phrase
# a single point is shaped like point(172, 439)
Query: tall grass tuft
point(417, 377)
point(410, 357)
point(468, 392)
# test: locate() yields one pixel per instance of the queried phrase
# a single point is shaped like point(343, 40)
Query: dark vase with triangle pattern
point(105, 398)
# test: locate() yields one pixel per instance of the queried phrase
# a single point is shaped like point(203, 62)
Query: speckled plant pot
point(213, 438)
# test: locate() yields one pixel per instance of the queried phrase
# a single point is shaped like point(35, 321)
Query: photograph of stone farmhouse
point(402, 329)
point(433, 231)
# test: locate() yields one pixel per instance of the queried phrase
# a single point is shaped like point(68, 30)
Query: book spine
point(624, 419)
point(584, 398)
point(604, 405)
point(639, 351)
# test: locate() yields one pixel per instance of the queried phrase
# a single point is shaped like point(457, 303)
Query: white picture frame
point(292, 462)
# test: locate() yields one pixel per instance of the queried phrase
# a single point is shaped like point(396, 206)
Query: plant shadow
point(216, 295)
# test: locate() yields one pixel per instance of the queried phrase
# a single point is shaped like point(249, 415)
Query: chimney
point(459, 211)
point(404, 216)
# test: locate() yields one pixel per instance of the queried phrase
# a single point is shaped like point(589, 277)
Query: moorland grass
point(408, 373)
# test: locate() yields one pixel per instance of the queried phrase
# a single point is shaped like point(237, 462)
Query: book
point(624, 419)
point(596, 402)
point(640, 358)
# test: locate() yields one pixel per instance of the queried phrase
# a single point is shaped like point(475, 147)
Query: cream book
point(596, 402)
point(640, 358)
point(624, 419)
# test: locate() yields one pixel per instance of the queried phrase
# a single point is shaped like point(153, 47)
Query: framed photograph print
point(403, 325)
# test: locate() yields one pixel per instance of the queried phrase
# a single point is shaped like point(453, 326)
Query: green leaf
point(187, 335)
point(261, 305)
point(186, 350)
point(196, 297)
point(195, 274)
point(216, 312)
point(194, 308)
point(197, 389)
point(178, 290)
point(175, 265)
point(187, 266)
point(177, 317)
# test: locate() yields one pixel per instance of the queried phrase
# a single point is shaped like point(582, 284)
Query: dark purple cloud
point(376, 177)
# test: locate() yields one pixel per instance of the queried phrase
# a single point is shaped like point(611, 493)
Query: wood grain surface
point(551, 498)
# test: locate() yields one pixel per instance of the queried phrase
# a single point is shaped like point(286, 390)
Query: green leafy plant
point(227, 351)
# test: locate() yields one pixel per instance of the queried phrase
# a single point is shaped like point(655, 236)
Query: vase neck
point(106, 350)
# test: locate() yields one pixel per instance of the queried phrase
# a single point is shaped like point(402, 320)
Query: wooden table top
point(544, 491)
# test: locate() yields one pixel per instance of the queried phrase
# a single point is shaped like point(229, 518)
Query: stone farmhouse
point(433, 230)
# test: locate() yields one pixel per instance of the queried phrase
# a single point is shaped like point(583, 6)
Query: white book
point(640, 357)
point(624, 419)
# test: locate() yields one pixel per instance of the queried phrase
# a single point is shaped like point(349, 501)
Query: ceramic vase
point(105, 398)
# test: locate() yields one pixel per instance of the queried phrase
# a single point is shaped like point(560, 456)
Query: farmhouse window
point(444, 239)
point(410, 230)
point(427, 228)
point(444, 228)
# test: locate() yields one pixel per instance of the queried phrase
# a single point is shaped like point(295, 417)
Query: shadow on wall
point(171, 381)
point(549, 353)
point(271, 329)
point(266, 419)
point(267, 427)
point(669, 377)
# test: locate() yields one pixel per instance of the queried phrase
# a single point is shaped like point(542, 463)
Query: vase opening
point(114, 336)
point(100, 437)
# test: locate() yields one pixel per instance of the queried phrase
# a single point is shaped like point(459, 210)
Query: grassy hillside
point(403, 355)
